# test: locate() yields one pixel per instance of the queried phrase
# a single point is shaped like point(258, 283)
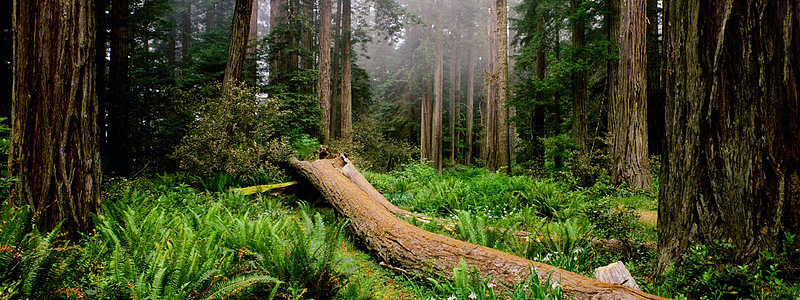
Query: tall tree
point(503, 143)
point(278, 59)
point(470, 96)
point(54, 138)
point(438, 89)
point(579, 119)
point(630, 108)
point(237, 49)
point(732, 161)
point(324, 83)
point(655, 86)
point(452, 104)
point(186, 34)
point(539, 111)
point(118, 108)
point(347, 105)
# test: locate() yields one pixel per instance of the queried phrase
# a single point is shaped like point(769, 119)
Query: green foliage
point(232, 135)
point(467, 283)
point(371, 150)
point(708, 272)
point(5, 180)
point(612, 222)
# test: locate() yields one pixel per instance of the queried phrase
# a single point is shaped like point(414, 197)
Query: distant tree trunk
point(558, 160)
point(579, 122)
point(732, 161)
point(503, 143)
point(336, 78)
point(186, 34)
point(630, 110)
point(470, 97)
point(438, 89)
point(425, 128)
point(119, 86)
point(539, 111)
point(172, 47)
point(490, 138)
point(452, 107)
point(456, 108)
point(347, 105)
point(655, 87)
point(324, 83)
point(277, 62)
point(54, 132)
point(613, 33)
point(253, 34)
point(307, 36)
point(237, 50)
point(211, 17)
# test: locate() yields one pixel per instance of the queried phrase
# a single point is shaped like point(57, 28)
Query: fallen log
point(412, 250)
point(262, 188)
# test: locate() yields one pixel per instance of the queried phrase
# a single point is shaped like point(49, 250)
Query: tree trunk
point(237, 50)
point(253, 33)
point(211, 17)
point(470, 98)
point(503, 143)
point(438, 89)
point(456, 107)
point(119, 86)
point(732, 161)
point(425, 128)
point(452, 107)
point(172, 47)
point(324, 83)
point(54, 132)
point(630, 109)
point(347, 104)
point(613, 33)
point(186, 34)
point(336, 92)
point(539, 111)
point(415, 251)
point(307, 34)
point(101, 19)
point(490, 138)
point(277, 62)
point(579, 122)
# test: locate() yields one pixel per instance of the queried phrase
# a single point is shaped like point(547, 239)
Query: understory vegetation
point(183, 237)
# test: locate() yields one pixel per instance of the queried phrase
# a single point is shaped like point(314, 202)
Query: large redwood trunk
point(347, 84)
point(54, 138)
point(237, 50)
point(324, 83)
point(732, 158)
point(413, 250)
point(503, 160)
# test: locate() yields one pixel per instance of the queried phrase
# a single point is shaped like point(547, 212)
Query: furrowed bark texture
point(414, 250)
point(54, 139)
point(630, 107)
point(237, 50)
point(732, 158)
point(324, 83)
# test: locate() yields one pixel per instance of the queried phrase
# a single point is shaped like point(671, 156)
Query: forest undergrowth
point(187, 237)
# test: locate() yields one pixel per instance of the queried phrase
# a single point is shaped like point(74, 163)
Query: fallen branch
point(417, 251)
point(263, 188)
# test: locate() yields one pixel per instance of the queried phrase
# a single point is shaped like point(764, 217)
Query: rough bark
point(612, 32)
point(336, 92)
point(54, 138)
point(503, 143)
point(347, 101)
point(119, 86)
point(732, 161)
point(324, 83)
point(630, 153)
point(470, 99)
point(237, 50)
point(579, 122)
point(413, 250)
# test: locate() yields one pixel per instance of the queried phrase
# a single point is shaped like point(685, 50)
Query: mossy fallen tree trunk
point(413, 250)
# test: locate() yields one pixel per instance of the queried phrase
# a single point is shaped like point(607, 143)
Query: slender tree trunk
point(172, 47)
point(278, 57)
point(324, 83)
point(347, 105)
point(456, 107)
point(630, 114)
point(237, 50)
point(503, 142)
point(253, 34)
point(102, 22)
point(613, 33)
point(186, 34)
point(452, 107)
point(307, 36)
point(211, 17)
point(558, 161)
point(425, 129)
point(336, 98)
point(470, 98)
point(579, 122)
point(732, 161)
point(539, 111)
point(438, 82)
point(491, 98)
point(54, 132)
point(120, 84)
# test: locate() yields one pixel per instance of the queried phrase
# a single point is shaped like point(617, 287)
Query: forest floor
point(183, 237)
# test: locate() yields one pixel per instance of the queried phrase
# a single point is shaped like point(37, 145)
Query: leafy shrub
point(467, 283)
point(232, 136)
point(5, 180)
point(612, 222)
point(371, 150)
point(707, 271)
